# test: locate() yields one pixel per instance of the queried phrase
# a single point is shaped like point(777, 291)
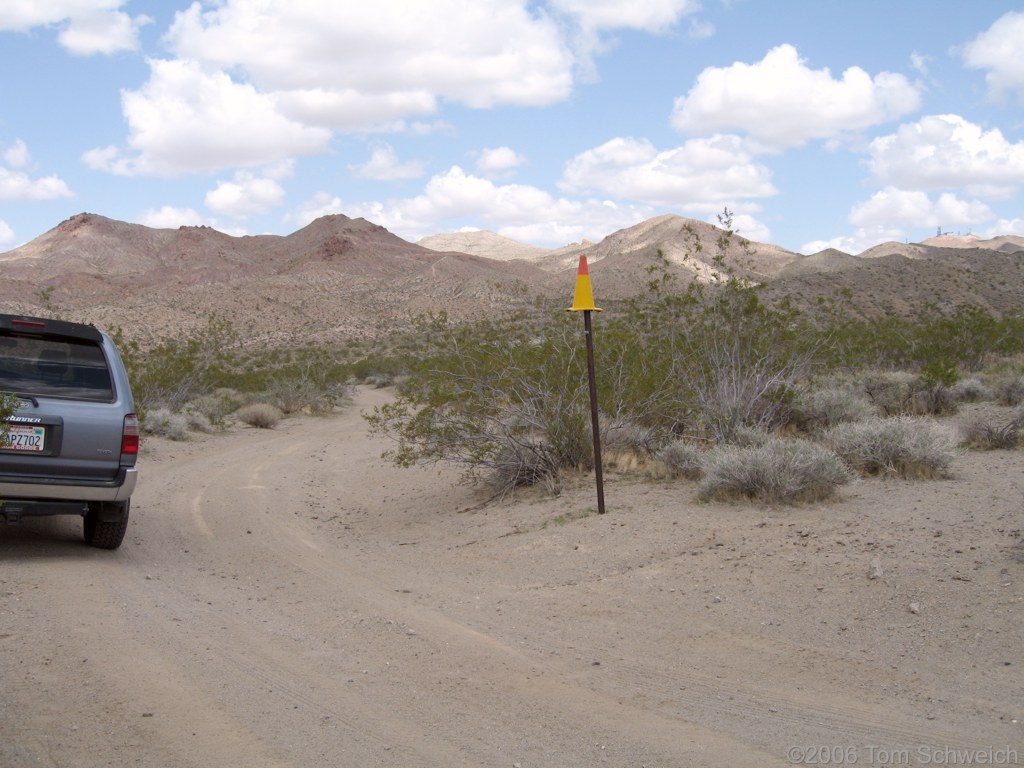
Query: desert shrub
point(901, 445)
point(971, 390)
point(260, 415)
point(495, 398)
point(214, 407)
point(779, 471)
point(1009, 389)
point(165, 423)
point(624, 435)
point(524, 464)
point(896, 393)
point(198, 422)
point(891, 392)
point(177, 370)
point(748, 437)
point(681, 459)
point(820, 409)
point(987, 433)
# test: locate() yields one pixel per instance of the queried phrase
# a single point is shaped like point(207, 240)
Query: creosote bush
point(779, 471)
point(901, 446)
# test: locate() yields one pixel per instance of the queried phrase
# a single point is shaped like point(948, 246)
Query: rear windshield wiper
point(30, 398)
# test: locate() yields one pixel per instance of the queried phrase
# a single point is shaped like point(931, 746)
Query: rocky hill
point(341, 278)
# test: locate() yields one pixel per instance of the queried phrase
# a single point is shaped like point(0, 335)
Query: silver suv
point(71, 445)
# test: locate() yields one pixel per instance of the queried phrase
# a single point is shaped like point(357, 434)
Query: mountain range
point(340, 278)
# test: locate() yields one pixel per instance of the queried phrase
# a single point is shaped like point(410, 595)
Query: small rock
point(875, 571)
point(915, 608)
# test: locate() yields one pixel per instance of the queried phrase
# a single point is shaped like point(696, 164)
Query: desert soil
point(287, 598)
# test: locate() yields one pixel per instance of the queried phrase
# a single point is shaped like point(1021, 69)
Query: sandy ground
point(287, 598)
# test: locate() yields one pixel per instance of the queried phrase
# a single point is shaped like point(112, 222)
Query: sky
point(816, 123)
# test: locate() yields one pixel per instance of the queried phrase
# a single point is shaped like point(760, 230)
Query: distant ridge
point(340, 278)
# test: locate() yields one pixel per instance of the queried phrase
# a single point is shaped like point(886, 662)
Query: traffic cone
point(583, 299)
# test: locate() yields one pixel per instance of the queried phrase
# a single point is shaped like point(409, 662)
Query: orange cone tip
point(584, 297)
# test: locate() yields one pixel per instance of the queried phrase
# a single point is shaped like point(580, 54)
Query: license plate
point(21, 438)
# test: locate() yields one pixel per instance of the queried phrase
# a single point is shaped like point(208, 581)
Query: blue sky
point(819, 123)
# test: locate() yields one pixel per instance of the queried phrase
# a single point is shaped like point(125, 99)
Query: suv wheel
point(106, 533)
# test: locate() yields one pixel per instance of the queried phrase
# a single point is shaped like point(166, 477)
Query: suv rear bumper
point(49, 488)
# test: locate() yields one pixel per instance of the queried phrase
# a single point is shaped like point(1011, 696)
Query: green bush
point(901, 445)
point(779, 471)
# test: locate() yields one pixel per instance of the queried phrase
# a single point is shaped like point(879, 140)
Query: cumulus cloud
point(170, 217)
point(997, 50)
point(244, 196)
point(6, 234)
point(859, 241)
point(384, 165)
point(187, 119)
point(456, 199)
point(15, 185)
point(947, 151)
point(86, 26)
point(17, 155)
point(648, 15)
point(491, 52)
point(780, 102)
point(712, 170)
point(900, 208)
point(891, 214)
point(498, 161)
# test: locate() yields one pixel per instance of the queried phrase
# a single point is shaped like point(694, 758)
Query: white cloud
point(858, 242)
point(246, 195)
point(648, 15)
point(947, 151)
point(321, 204)
point(899, 208)
point(15, 185)
point(1006, 227)
point(391, 52)
point(455, 200)
point(86, 26)
point(186, 119)
point(17, 155)
point(384, 165)
point(713, 170)
point(780, 102)
point(6, 234)
point(498, 161)
point(701, 30)
point(998, 49)
point(169, 217)
point(105, 33)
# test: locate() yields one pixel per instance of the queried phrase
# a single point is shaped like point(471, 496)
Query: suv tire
point(106, 534)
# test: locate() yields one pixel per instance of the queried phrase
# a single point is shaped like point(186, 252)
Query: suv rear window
point(49, 367)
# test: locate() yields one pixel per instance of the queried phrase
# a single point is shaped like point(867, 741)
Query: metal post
point(592, 375)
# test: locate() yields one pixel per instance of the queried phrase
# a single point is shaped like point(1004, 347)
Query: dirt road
point(287, 598)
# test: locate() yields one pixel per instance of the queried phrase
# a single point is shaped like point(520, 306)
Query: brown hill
point(336, 279)
point(341, 278)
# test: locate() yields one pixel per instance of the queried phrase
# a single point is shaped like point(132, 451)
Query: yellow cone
point(584, 296)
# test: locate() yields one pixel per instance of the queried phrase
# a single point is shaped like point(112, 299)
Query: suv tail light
point(130, 438)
